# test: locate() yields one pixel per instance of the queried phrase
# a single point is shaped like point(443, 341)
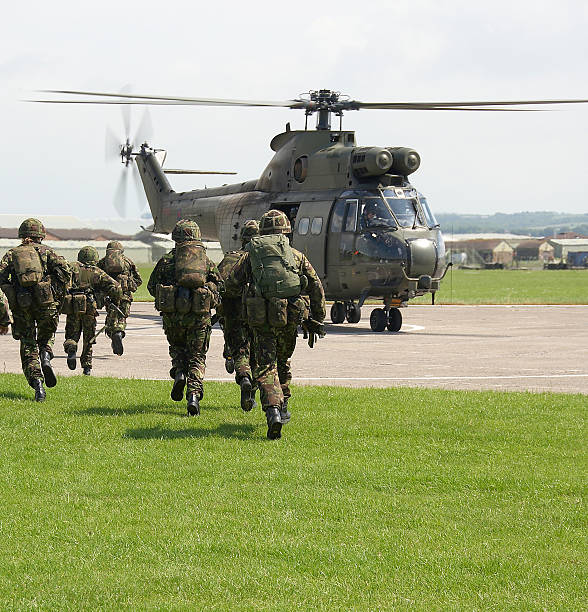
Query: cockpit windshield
point(406, 210)
point(375, 213)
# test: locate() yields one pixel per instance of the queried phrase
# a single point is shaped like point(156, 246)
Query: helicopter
point(368, 232)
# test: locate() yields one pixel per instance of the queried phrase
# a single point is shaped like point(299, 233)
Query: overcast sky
point(52, 157)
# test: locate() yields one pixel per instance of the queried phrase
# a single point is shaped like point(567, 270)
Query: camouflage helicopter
point(368, 232)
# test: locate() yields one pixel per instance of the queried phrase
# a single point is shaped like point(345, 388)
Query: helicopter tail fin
point(155, 183)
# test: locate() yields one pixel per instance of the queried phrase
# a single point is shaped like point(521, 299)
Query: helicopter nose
point(422, 254)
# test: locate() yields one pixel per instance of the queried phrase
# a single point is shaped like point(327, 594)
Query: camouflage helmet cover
point(88, 255)
point(31, 228)
point(115, 245)
point(274, 222)
point(186, 230)
point(249, 229)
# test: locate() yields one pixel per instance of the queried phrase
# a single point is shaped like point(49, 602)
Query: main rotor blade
point(461, 105)
point(178, 171)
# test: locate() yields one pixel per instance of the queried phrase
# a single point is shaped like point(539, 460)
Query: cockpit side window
point(429, 216)
point(351, 219)
point(337, 217)
point(375, 213)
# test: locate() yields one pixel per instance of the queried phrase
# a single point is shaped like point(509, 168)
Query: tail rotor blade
point(111, 146)
point(120, 195)
point(145, 129)
point(126, 112)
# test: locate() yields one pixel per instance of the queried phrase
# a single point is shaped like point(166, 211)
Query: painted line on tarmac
point(432, 378)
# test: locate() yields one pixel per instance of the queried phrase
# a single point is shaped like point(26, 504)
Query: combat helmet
point(115, 245)
point(250, 229)
point(88, 255)
point(186, 230)
point(31, 228)
point(274, 222)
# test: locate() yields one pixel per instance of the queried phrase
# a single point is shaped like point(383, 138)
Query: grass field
point(490, 287)
point(373, 500)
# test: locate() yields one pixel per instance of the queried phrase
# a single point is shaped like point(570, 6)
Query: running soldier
point(5, 318)
point(237, 332)
point(35, 278)
point(124, 271)
point(274, 279)
point(89, 285)
point(185, 285)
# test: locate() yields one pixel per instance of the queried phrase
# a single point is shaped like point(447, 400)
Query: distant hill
point(531, 223)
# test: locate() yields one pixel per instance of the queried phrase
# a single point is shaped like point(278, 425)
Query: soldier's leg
point(176, 337)
point(89, 329)
point(242, 353)
point(24, 329)
point(266, 371)
point(198, 340)
point(117, 321)
point(286, 343)
point(73, 331)
point(47, 320)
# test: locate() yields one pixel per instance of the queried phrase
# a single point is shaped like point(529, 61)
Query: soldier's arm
point(5, 268)
point(314, 290)
point(5, 318)
point(155, 278)
point(135, 273)
point(59, 269)
point(238, 277)
point(214, 280)
point(107, 285)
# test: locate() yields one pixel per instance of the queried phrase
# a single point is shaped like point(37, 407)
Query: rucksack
point(85, 278)
point(114, 262)
point(28, 266)
point(273, 265)
point(191, 268)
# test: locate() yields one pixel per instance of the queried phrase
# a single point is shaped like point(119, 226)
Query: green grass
point(374, 499)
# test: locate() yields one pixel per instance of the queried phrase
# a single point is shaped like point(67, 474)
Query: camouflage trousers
point(272, 350)
point(35, 328)
point(75, 326)
point(115, 321)
point(238, 340)
point(188, 337)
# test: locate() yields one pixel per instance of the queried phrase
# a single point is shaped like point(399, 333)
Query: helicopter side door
point(341, 241)
point(310, 233)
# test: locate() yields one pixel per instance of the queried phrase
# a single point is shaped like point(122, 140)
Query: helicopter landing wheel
point(394, 320)
point(378, 320)
point(338, 312)
point(353, 314)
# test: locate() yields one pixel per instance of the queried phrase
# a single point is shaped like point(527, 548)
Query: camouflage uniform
point(5, 318)
point(237, 333)
point(130, 280)
point(35, 324)
point(273, 347)
point(188, 334)
point(84, 323)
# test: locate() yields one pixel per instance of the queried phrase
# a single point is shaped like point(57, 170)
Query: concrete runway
point(505, 348)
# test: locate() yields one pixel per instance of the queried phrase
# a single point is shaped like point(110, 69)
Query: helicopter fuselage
point(354, 214)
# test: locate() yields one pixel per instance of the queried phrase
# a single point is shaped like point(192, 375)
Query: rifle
point(110, 303)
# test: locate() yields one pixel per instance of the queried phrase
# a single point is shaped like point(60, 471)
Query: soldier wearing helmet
point(237, 333)
point(185, 285)
point(35, 278)
point(278, 286)
point(5, 318)
point(124, 271)
point(89, 285)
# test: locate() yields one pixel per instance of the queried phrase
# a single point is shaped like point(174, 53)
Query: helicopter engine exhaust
point(370, 161)
point(406, 161)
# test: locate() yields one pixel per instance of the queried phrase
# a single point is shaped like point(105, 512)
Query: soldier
point(35, 278)
point(235, 329)
point(89, 285)
point(5, 318)
point(274, 278)
point(185, 285)
point(124, 271)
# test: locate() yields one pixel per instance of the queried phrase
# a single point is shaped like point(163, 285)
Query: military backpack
point(191, 268)
point(114, 262)
point(273, 265)
point(28, 266)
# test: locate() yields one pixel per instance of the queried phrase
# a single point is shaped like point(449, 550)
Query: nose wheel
point(386, 318)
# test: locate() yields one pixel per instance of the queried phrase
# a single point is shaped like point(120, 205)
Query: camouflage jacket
point(240, 280)
point(100, 282)
point(130, 272)
point(5, 318)
point(164, 273)
point(55, 268)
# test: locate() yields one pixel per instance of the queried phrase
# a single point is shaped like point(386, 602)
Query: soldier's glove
point(3, 330)
point(316, 328)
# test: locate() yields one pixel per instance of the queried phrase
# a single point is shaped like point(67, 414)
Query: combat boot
point(284, 412)
point(177, 392)
point(193, 403)
point(71, 359)
point(229, 365)
point(274, 422)
point(39, 391)
point(87, 370)
point(48, 373)
point(247, 394)
point(117, 345)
